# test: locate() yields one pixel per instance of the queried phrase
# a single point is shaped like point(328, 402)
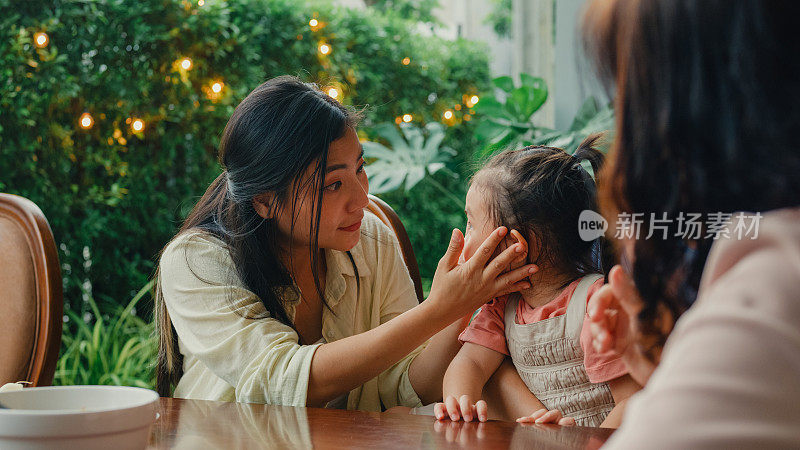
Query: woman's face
point(344, 198)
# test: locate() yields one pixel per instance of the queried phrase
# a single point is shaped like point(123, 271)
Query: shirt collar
point(339, 266)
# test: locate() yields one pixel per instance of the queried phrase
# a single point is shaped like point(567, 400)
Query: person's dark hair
point(541, 191)
point(276, 133)
point(706, 96)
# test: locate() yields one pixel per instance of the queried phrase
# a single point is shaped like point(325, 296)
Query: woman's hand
point(612, 311)
point(463, 408)
point(544, 416)
point(459, 289)
point(609, 320)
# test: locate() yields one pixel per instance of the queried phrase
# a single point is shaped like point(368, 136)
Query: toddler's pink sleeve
point(488, 329)
point(600, 366)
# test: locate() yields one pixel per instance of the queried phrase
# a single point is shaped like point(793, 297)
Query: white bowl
point(77, 417)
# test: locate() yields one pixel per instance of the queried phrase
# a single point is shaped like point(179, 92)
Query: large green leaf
point(414, 154)
point(489, 130)
point(590, 118)
point(507, 122)
point(519, 102)
point(491, 107)
point(505, 83)
point(537, 92)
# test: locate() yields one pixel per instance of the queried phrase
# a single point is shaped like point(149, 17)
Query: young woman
point(706, 111)
point(280, 289)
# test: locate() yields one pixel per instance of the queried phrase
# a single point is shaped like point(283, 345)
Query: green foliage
point(591, 118)
point(114, 196)
point(500, 17)
point(428, 214)
point(509, 123)
point(115, 349)
point(409, 159)
point(413, 10)
point(429, 217)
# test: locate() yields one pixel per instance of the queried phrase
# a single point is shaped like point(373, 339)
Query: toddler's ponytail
point(542, 191)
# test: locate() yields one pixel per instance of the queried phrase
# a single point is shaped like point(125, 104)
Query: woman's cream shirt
point(230, 357)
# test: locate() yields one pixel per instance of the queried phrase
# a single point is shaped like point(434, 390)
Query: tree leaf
point(491, 107)
point(519, 97)
point(376, 150)
point(415, 152)
point(505, 83)
point(537, 92)
point(488, 129)
point(415, 175)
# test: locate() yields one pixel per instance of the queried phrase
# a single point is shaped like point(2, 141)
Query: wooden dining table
point(201, 424)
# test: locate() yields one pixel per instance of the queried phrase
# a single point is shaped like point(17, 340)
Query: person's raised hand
point(462, 409)
point(613, 311)
point(608, 316)
point(462, 288)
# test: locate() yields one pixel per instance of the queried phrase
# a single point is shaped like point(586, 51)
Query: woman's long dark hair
point(706, 100)
point(541, 191)
point(275, 134)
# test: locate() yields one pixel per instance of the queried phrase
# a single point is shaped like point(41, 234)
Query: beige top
point(229, 357)
point(549, 358)
point(730, 372)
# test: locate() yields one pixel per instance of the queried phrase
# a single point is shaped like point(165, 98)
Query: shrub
point(114, 349)
point(508, 122)
point(113, 194)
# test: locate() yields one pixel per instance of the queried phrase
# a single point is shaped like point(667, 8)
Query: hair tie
point(229, 185)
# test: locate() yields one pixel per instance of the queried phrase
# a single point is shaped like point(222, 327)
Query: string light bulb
point(474, 99)
point(186, 64)
point(325, 49)
point(406, 61)
point(137, 125)
point(217, 87)
point(313, 23)
point(448, 115)
point(86, 121)
point(407, 118)
point(333, 93)
point(41, 39)
point(201, 2)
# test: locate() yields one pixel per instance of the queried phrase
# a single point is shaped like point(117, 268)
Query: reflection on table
point(192, 424)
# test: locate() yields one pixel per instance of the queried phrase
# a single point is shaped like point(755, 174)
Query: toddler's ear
point(513, 238)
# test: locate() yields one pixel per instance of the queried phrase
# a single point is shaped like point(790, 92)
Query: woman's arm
point(342, 365)
point(427, 370)
point(457, 290)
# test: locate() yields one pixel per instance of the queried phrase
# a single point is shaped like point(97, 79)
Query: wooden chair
point(390, 218)
point(31, 297)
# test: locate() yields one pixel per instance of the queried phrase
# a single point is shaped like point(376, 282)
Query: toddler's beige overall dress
point(549, 358)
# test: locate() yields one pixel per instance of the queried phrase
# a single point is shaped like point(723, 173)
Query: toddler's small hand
point(463, 408)
point(544, 416)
